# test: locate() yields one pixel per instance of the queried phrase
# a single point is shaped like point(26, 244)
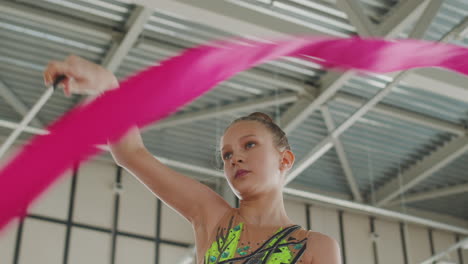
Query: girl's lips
point(241, 173)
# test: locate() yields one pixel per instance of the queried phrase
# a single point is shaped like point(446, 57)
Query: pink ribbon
point(158, 91)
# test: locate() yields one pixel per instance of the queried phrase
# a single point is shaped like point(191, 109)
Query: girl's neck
point(266, 210)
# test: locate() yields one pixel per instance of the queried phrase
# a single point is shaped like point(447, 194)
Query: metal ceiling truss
point(357, 17)
point(223, 110)
point(342, 157)
point(10, 98)
point(430, 164)
point(400, 16)
point(332, 81)
point(133, 27)
point(433, 194)
point(87, 29)
point(237, 23)
point(422, 170)
point(325, 145)
point(425, 20)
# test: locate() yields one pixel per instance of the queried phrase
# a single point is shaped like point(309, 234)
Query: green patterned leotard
point(285, 246)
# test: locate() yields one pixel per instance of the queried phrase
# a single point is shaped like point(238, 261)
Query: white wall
point(54, 202)
point(443, 240)
point(94, 194)
point(131, 250)
point(42, 242)
point(7, 242)
point(358, 243)
point(137, 212)
point(465, 255)
point(419, 247)
point(326, 221)
point(174, 227)
point(88, 246)
point(389, 243)
point(296, 212)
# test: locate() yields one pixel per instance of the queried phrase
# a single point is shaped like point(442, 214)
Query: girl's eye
point(250, 144)
point(226, 156)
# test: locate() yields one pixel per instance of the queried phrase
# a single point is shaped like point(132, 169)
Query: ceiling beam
point(119, 49)
point(400, 16)
point(441, 82)
point(267, 101)
point(275, 9)
point(216, 15)
point(422, 170)
point(87, 29)
point(431, 164)
point(273, 80)
point(214, 112)
point(356, 16)
point(326, 144)
point(331, 82)
point(439, 217)
point(10, 98)
point(432, 194)
point(424, 22)
point(258, 75)
point(403, 114)
point(342, 157)
point(242, 11)
point(134, 26)
point(308, 99)
point(295, 114)
point(384, 213)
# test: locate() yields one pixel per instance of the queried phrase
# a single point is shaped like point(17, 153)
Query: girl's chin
point(244, 189)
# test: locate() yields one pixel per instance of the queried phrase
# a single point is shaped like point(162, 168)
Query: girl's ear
point(287, 160)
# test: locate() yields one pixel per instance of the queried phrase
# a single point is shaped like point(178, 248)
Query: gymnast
point(256, 158)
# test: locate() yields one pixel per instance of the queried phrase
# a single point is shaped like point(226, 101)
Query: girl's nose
point(237, 160)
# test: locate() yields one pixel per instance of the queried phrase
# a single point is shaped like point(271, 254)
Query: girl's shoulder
point(322, 248)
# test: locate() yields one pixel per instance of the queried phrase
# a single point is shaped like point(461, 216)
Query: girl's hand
point(83, 77)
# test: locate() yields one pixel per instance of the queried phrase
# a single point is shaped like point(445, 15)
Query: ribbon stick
point(158, 91)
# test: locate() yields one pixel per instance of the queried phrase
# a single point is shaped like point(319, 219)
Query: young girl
point(256, 156)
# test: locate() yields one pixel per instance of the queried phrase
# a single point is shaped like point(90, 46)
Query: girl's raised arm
point(192, 199)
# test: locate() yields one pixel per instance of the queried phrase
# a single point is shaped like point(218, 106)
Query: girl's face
point(252, 163)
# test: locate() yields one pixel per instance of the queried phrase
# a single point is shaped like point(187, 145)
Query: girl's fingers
point(65, 84)
point(54, 69)
point(47, 78)
point(66, 90)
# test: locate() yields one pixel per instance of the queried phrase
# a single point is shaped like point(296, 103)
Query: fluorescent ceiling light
point(288, 18)
point(317, 17)
point(87, 9)
point(268, 2)
point(107, 5)
point(38, 34)
point(321, 7)
point(168, 23)
point(175, 34)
